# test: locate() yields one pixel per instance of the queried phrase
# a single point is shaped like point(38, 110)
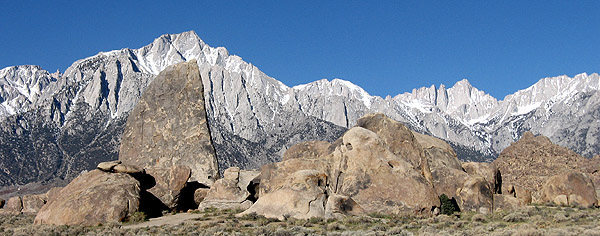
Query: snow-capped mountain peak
point(20, 86)
point(254, 117)
point(337, 87)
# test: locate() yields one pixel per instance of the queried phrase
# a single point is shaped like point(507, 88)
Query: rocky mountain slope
point(529, 162)
point(57, 125)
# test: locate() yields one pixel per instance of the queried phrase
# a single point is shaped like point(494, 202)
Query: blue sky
point(386, 47)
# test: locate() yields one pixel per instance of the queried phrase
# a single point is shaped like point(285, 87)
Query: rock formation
point(447, 173)
point(307, 150)
point(529, 162)
point(33, 203)
point(476, 195)
point(119, 167)
point(360, 173)
point(166, 154)
point(302, 197)
point(57, 125)
point(168, 126)
point(169, 184)
point(399, 138)
point(93, 198)
point(379, 180)
point(233, 191)
point(14, 204)
point(570, 189)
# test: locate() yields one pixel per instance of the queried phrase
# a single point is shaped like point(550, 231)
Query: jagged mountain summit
point(57, 125)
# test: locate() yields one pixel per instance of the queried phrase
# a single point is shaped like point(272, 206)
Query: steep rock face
point(93, 198)
point(168, 126)
point(22, 86)
point(533, 159)
point(77, 118)
point(399, 139)
point(446, 172)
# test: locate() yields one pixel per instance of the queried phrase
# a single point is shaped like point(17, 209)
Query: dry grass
point(535, 220)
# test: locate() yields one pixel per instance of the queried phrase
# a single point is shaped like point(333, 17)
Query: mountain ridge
point(255, 118)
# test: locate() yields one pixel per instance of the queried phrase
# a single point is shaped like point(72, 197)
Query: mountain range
point(53, 126)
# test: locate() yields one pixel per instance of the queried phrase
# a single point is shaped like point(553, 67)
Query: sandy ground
point(165, 220)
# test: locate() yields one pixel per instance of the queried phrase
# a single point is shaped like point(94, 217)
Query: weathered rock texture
point(200, 194)
point(53, 193)
point(302, 197)
point(308, 150)
point(118, 167)
point(529, 162)
point(169, 183)
point(522, 194)
point(233, 191)
point(376, 178)
point(14, 204)
point(33, 203)
point(476, 195)
point(362, 172)
point(92, 198)
point(399, 138)
point(168, 126)
point(570, 189)
point(488, 171)
point(446, 171)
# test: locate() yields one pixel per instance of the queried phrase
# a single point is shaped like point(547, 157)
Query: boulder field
point(167, 163)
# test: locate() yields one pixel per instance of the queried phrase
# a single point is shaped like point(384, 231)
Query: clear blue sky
point(386, 47)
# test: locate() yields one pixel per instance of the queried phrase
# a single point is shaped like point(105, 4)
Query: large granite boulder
point(233, 191)
point(14, 204)
point(295, 188)
point(488, 171)
point(93, 198)
point(476, 195)
point(276, 175)
point(302, 196)
point(444, 154)
point(53, 193)
point(360, 173)
point(118, 167)
point(33, 203)
point(169, 183)
point(446, 170)
point(399, 139)
point(168, 126)
point(570, 189)
point(364, 168)
point(522, 194)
